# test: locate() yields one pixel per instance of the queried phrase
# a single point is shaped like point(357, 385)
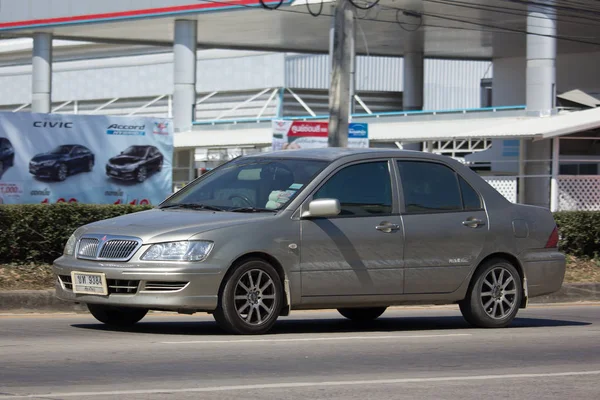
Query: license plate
point(114, 173)
point(89, 282)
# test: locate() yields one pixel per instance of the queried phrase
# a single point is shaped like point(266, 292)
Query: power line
point(487, 27)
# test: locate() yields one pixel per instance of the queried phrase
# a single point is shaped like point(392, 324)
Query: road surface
point(550, 352)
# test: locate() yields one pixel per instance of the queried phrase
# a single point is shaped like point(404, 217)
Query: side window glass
point(429, 187)
point(362, 189)
point(471, 199)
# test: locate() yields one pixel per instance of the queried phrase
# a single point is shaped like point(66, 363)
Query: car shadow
point(329, 325)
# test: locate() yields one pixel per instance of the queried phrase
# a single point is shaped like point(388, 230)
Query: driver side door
point(359, 251)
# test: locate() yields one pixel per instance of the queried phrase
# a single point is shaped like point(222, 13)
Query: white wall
point(573, 71)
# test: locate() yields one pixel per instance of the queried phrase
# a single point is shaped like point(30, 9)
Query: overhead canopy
point(579, 97)
point(389, 130)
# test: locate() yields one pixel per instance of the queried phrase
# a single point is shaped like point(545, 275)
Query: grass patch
point(35, 277)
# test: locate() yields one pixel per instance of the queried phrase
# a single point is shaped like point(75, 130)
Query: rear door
point(445, 226)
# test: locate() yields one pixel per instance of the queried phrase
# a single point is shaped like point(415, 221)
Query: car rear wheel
point(494, 295)
point(362, 314)
point(61, 172)
point(251, 299)
point(141, 174)
point(117, 316)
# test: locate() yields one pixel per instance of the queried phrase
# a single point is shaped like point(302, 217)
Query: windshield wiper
point(193, 206)
point(251, 209)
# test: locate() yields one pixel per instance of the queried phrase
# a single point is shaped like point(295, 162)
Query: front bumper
point(42, 171)
point(119, 173)
point(156, 286)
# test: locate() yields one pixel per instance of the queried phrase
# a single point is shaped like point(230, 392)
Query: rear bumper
point(545, 272)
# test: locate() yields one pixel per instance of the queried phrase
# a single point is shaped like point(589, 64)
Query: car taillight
point(553, 240)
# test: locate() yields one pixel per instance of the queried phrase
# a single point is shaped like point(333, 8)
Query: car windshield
point(135, 151)
point(249, 185)
point(62, 150)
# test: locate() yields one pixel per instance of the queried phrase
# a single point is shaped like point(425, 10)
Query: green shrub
point(580, 232)
point(37, 233)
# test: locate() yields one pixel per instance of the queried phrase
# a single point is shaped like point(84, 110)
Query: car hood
point(125, 160)
point(154, 226)
point(47, 157)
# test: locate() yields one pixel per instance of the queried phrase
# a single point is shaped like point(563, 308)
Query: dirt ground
point(32, 277)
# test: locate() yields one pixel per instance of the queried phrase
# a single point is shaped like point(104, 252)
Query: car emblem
point(104, 238)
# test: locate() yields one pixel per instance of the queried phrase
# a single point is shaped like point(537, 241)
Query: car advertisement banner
point(311, 134)
point(53, 158)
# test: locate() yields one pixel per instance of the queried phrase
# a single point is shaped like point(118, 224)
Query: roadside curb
point(31, 301)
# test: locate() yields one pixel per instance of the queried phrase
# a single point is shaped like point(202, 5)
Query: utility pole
point(341, 65)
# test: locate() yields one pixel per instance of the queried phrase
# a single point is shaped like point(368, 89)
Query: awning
point(225, 136)
point(580, 97)
point(382, 130)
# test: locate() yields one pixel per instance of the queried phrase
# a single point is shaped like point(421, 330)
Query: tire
point(61, 172)
point(1, 168)
point(362, 314)
point(117, 316)
point(141, 174)
point(494, 296)
point(264, 296)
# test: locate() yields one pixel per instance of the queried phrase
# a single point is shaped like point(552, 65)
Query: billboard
point(54, 158)
point(312, 134)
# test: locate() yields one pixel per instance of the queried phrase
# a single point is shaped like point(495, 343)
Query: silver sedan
point(355, 230)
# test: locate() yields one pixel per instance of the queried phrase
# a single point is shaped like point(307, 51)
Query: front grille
point(122, 286)
point(164, 286)
point(118, 249)
point(66, 281)
point(88, 247)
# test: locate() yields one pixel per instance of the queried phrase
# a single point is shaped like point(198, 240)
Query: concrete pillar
point(41, 73)
point(537, 189)
point(412, 95)
point(554, 198)
point(184, 94)
point(522, 170)
point(541, 60)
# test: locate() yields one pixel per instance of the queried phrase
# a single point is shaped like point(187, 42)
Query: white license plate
point(89, 282)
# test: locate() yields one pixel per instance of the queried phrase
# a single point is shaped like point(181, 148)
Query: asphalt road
point(550, 352)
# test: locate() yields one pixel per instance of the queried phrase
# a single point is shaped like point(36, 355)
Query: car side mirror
point(323, 208)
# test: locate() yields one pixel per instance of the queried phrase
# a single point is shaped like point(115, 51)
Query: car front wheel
point(494, 296)
point(61, 172)
point(141, 174)
point(117, 316)
point(362, 314)
point(251, 299)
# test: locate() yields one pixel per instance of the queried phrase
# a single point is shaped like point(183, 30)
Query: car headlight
point(70, 246)
point(178, 251)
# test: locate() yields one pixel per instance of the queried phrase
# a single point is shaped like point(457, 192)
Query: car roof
point(334, 153)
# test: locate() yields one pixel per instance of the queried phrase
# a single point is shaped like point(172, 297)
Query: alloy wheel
point(254, 297)
point(62, 172)
point(141, 174)
point(499, 293)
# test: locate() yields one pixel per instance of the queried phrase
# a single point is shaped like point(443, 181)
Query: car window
point(471, 200)
point(253, 182)
point(429, 187)
point(362, 189)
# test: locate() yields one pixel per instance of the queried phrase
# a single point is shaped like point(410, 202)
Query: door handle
point(387, 227)
point(473, 223)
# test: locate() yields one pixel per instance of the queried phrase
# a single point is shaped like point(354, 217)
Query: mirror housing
point(323, 208)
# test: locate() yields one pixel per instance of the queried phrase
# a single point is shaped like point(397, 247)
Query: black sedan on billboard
point(7, 155)
point(62, 161)
point(135, 163)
